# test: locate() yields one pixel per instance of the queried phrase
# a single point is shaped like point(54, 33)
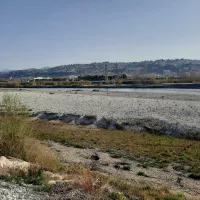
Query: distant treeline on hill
point(162, 67)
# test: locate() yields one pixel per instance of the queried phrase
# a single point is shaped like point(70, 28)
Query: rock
point(13, 163)
point(48, 116)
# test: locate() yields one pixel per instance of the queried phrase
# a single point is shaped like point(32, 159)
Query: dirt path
point(170, 178)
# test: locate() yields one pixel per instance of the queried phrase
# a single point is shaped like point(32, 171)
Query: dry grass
point(40, 155)
point(108, 187)
point(15, 136)
point(13, 126)
point(135, 191)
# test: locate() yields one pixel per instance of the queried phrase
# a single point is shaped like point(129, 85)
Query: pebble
point(10, 191)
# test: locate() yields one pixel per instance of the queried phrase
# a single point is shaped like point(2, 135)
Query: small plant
point(195, 176)
point(140, 173)
point(43, 188)
point(33, 176)
point(5, 178)
point(116, 196)
point(116, 166)
point(126, 167)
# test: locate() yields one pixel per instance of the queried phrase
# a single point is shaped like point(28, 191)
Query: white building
point(42, 79)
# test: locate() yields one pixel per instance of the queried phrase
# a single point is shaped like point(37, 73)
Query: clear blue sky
point(38, 33)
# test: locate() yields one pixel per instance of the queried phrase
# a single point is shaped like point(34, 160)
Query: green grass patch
point(149, 150)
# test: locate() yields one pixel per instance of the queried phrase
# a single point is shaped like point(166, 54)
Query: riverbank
point(129, 164)
point(113, 86)
point(173, 115)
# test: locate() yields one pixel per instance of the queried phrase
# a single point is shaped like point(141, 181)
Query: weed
point(195, 176)
point(116, 196)
point(43, 188)
point(117, 166)
point(127, 168)
point(140, 173)
point(33, 176)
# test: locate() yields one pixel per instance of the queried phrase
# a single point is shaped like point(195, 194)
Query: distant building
point(42, 79)
point(73, 77)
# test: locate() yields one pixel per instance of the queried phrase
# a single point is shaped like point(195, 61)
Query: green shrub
point(33, 176)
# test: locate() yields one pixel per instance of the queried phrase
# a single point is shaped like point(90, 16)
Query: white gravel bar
point(120, 108)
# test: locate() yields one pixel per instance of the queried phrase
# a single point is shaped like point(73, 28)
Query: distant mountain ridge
point(174, 66)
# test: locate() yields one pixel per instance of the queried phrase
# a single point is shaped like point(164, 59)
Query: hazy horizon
point(36, 34)
point(40, 67)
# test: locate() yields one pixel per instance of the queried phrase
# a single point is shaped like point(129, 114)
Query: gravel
point(9, 191)
point(119, 108)
point(181, 114)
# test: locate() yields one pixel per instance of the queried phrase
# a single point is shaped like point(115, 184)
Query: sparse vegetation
point(33, 176)
point(149, 150)
point(195, 176)
point(142, 174)
point(17, 140)
point(116, 196)
point(15, 135)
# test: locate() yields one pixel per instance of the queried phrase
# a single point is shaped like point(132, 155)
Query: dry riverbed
point(170, 114)
point(76, 126)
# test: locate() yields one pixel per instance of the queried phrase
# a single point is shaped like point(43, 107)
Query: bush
point(13, 126)
point(11, 106)
point(15, 135)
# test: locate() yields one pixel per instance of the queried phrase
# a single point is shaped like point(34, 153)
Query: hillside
point(158, 67)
